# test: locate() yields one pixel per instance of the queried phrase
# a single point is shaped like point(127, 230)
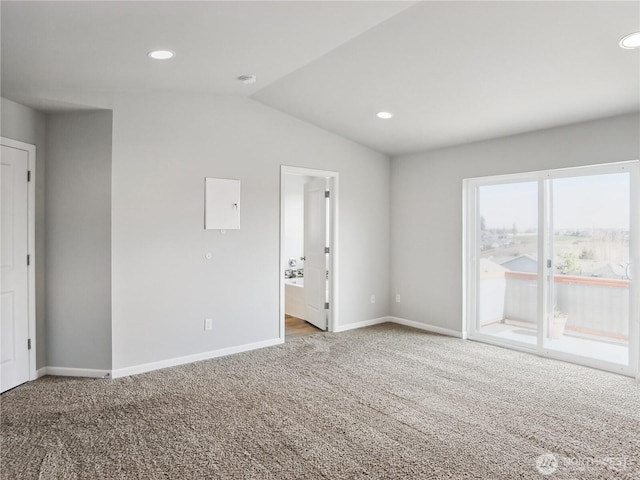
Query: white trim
point(469, 270)
point(427, 327)
point(364, 323)
point(73, 372)
point(174, 362)
point(634, 286)
point(402, 321)
point(31, 245)
point(334, 290)
point(333, 324)
point(466, 221)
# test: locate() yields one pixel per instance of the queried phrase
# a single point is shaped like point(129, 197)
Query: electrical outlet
point(397, 298)
point(208, 324)
point(373, 299)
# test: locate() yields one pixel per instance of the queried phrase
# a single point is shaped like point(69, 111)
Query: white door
point(14, 285)
point(315, 241)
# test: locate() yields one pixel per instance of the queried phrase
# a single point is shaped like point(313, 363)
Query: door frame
point(332, 184)
point(470, 239)
point(31, 243)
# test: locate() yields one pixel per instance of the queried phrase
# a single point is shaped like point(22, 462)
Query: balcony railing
point(593, 306)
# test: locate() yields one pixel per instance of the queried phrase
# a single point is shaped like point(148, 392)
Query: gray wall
point(163, 287)
point(426, 204)
point(78, 228)
point(29, 126)
point(137, 212)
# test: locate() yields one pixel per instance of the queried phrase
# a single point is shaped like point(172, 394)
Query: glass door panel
point(507, 266)
point(589, 290)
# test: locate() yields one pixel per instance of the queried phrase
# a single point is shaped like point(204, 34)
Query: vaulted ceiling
point(450, 71)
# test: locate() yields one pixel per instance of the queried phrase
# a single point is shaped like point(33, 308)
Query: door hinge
point(327, 194)
point(327, 250)
point(28, 344)
point(28, 260)
point(28, 175)
point(326, 305)
point(549, 264)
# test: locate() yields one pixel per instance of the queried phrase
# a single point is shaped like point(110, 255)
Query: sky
point(593, 201)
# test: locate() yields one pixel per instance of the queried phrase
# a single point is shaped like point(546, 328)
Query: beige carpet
point(385, 402)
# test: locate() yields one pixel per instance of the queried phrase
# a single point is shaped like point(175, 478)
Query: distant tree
point(570, 263)
point(587, 254)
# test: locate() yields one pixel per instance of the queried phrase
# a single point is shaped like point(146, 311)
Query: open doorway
point(308, 260)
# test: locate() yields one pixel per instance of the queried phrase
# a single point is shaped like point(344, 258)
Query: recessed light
point(384, 115)
point(248, 79)
point(161, 54)
point(631, 41)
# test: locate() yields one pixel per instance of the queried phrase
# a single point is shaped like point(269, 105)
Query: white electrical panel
point(222, 204)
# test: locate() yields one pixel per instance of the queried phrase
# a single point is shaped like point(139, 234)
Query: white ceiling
point(451, 72)
point(85, 51)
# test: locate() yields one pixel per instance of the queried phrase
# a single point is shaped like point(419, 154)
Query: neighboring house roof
point(610, 270)
point(521, 263)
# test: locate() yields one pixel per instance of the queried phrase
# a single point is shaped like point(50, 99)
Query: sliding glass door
point(507, 272)
point(550, 263)
point(589, 294)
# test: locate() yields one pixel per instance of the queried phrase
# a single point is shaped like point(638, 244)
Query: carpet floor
point(385, 402)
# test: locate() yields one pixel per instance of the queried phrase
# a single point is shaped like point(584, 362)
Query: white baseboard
point(365, 323)
point(426, 326)
point(174, 362)
point(401, 321)
point(72, 372)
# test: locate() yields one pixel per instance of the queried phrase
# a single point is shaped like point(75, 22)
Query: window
point(549, 261)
